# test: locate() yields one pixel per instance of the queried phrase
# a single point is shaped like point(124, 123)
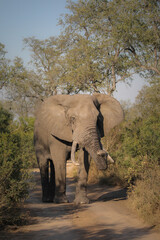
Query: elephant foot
point(81, 200)
point(61, 199)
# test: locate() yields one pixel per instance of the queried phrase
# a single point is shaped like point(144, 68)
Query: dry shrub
point(107, 177)
point(144, 197)
point(93, 175)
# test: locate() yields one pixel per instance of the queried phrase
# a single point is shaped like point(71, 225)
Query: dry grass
point(110, 176)
point(145, 196)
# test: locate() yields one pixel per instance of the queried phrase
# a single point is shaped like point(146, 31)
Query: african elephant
point(65, 124)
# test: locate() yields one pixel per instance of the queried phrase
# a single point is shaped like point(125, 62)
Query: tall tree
point(81, 71)
point(103, 54)
point(138, 23)
point(45, 58)
point(148, 100)
point(23, 88)
point(122, 38)
point(20, 86)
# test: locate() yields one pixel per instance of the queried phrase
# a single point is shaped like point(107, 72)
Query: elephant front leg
point(81, 187)
point(59, 160)
point(60, 182)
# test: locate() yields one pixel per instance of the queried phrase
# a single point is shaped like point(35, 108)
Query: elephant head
point(82, 120)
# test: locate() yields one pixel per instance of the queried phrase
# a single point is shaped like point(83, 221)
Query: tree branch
point(113, 88)
point(153, 68)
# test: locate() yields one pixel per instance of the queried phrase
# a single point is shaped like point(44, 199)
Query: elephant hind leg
point(51, 179)
point(47, 180)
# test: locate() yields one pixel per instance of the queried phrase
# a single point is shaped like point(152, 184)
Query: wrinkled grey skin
point(65, 124)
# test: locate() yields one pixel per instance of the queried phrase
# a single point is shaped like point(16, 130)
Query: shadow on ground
point(120, 194)
point(50, 211)
point(49, 221)
point(65, 233)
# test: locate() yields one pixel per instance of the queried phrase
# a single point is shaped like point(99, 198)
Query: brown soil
point(107, 217)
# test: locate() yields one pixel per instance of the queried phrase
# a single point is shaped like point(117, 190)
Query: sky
point(20, 19)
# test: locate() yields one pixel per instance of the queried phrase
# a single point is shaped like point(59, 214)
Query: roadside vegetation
point(135, 148)
point(16, 152)
point(103, 43)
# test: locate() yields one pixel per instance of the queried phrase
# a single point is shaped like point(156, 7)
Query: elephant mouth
point(103, 153)
point(103, 160)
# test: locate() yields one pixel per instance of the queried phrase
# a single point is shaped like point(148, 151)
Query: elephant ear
point(54, 117)
point(112, 113)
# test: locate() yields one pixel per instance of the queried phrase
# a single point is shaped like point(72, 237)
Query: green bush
point(135, 147)
point(139, 144)
point(27, 146)
point(5, 119)
point(14, 173)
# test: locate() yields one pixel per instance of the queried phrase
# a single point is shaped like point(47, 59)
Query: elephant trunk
point(90, 140)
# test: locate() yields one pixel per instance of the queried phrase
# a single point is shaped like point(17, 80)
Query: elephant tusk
point(109, 159)
point(74, 145)
point(104, 153)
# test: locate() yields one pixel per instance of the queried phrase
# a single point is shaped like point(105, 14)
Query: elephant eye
point(72, 119)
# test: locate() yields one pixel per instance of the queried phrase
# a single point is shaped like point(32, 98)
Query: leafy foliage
point(112, 39)
point(45, 58)
point(23, 89)
point(135, 147)
point(4, 67)
point(102, 43)
point(5, 119)
point(15, 154)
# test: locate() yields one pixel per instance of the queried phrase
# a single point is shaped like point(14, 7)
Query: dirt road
point(107, 217)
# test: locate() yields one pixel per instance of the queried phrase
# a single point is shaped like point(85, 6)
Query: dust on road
point(106, 218)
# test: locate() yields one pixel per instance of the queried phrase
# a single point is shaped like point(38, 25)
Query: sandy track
point(106, 218)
